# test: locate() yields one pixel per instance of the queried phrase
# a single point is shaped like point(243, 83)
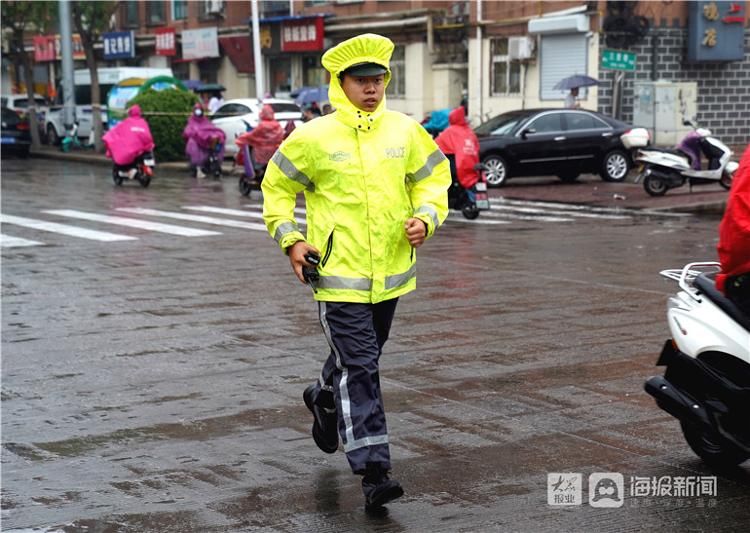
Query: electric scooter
point(472, 200)
point(141, 169)
point(663, 169)
point(706, 385)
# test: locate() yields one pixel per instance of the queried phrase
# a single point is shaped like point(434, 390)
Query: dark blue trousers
point(356, 334)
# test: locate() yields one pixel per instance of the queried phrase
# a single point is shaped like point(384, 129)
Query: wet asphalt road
point(155, 384)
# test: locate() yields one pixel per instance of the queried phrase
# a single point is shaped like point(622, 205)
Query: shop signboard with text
point(200, 43)
point(716, 31)
point(305, 35)
point(118, 45)
point(165, 42)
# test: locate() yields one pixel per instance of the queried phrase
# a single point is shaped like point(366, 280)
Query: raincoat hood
point(134, 111)
point(365, 48)
point(457, 117)
point(266, 112)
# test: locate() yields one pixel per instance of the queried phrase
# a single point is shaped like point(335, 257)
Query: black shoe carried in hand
point(378, 488)
point(324, 430)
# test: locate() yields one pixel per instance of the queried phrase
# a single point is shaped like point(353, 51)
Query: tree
point(20, 17)
point(91, 19)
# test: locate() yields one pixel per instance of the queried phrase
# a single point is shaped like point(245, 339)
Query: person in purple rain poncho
point(202, 138)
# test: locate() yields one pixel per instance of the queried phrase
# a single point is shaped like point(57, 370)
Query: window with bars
point(179, 9)
point(397, 86)
point(506, 74)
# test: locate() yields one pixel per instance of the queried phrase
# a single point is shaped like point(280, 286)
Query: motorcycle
point(663, 169)
point(469, 201)
point(141, 169)
point(706, 385)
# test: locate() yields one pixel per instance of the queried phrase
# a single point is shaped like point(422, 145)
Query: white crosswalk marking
point(133, 223)
point(7, 241)
point(64, 229)
point(223, 211)
point(502, 209)
point(586, 208)
point(458, 217)
point(238, 212)
point(194, 218)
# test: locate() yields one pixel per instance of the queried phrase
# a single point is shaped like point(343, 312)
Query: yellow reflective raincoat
point(363, 175)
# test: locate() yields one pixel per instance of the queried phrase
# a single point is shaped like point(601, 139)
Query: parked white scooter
point(663, 169)
point(706, 385)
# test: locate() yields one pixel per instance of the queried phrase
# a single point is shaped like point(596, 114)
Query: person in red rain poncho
point(459, 140)
point(734, 239)
point(264, 139)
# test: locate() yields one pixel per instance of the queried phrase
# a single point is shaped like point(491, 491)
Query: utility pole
point(256, 53)
point(66, 45)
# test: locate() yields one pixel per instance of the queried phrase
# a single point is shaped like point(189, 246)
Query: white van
point(108, 77)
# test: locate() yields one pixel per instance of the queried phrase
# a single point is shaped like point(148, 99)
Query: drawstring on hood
point(366, 48)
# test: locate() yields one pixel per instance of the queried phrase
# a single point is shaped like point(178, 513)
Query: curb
point(97, 159)
point(712, 208)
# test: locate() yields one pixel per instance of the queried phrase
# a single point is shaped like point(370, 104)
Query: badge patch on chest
point(395, 152)
point(339, 156)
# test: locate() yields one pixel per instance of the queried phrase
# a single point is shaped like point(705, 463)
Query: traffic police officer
point(375, 187)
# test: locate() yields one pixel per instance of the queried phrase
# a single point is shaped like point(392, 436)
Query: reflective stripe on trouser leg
point(355, 333)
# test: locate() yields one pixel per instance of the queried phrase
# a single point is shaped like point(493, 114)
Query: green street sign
point(618, 60)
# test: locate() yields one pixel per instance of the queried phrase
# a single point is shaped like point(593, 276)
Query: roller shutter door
point(561, 56)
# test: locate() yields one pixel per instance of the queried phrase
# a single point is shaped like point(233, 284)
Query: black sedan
point(558, 142)
point(16, 134)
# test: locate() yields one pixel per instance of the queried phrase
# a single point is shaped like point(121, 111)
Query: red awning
point(240, 53)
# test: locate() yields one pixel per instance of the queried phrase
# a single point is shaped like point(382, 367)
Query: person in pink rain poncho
point(202, 138)
point(129, 139)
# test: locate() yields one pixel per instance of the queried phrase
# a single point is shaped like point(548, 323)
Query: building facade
point(496, 56)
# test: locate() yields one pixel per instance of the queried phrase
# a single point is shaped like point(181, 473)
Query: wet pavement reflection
point(156, 384)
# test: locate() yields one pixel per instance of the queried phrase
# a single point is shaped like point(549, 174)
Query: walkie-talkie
point(310, 274)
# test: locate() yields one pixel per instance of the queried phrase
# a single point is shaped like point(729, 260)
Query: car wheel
point(52, 137)
point(615, 166)
point(496, 170)
point(569, 177)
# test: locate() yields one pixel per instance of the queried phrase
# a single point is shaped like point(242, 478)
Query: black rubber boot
point(324, 429)
point(378, 488)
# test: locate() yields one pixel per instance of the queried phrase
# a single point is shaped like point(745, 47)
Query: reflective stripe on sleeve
point(340, 282)
point(429, 211)
point(432, 161)
point(283, 229)
point(397, 280)
point(290, 171)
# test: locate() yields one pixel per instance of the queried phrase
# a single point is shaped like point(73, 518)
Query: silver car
point(234, 116)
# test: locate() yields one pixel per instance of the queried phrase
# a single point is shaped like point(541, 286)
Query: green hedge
point(166, 129)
